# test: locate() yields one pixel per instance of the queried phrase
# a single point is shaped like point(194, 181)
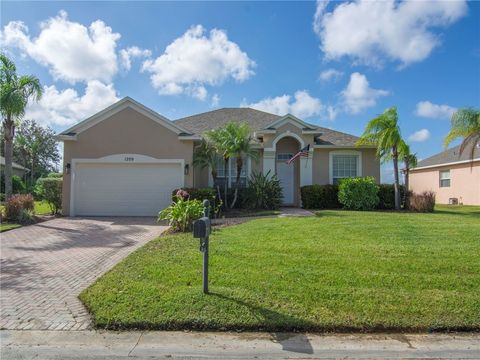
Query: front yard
point(340, 270)
point(41, 208)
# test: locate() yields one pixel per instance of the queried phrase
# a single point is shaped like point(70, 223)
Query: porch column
point(269, 162)
point(306, 169)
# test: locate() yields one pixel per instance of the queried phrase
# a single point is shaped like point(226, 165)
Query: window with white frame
point(344, 165)
point(231, 175)
point(445, 178)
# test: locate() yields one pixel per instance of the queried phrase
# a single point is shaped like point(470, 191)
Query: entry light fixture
point(186, 169)
point(67, 168)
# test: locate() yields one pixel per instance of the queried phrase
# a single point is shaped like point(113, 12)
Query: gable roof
point(259, 120)
point(449, 156)
point(126, 102)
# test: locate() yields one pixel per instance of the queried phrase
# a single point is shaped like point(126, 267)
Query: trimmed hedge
point(386, 195)
point(18, 186)
point(358, 193)
point(320, 197)
point(50, 189)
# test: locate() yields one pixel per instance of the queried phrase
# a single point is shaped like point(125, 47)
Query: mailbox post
point(201, 230)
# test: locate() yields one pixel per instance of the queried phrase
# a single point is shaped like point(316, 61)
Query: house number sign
point(128, 158)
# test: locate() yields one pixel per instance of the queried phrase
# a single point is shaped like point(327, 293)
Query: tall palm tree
point(218, 138)
point(15, 92)
point(384, 132)
point(205, 156)
point(465, 124)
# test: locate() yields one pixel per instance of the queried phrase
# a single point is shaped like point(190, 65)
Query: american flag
point(302, 152)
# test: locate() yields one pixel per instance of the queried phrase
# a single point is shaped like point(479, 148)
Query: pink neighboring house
point(453, 177)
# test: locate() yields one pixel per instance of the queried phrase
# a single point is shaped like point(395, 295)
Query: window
point(445, 178)
point(231, 172)
point(344, 166)
point(284, 156)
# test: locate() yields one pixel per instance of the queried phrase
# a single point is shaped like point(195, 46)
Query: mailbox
point(201, 227)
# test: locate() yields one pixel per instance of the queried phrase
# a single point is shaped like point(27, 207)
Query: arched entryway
point(288, 174)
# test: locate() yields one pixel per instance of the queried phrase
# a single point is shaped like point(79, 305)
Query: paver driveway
point(44, 267)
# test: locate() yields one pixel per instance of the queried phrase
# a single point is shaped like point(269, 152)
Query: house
point(17, 169)
point(127, 159)
point(452, 176)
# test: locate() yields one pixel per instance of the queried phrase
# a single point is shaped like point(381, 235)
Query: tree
point(409, 161)
point(384, 132)
point(232, 141)
point(205, 156)
point(15, 92)
point(465, 124)
point(37, 148)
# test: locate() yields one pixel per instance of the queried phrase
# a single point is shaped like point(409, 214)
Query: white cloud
point(330, 74)
point(126, 55)
point(215, 101)
point(65, 107)
point(302, 105)
point(420, 135)
point(197, 59)
point(369, 31)
point(70, 50)
point(429, 110)
point(358, 95)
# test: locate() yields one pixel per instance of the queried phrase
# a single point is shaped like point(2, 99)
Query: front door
point(285, 173)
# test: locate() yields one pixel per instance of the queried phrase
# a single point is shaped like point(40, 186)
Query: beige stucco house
point(452, 176)
point(127, 159)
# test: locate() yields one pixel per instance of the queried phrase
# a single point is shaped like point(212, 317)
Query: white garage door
point(124, 189)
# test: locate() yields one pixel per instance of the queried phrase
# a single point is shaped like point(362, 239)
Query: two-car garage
point(123, 188)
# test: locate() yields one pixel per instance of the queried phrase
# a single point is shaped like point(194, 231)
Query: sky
point(333, 64)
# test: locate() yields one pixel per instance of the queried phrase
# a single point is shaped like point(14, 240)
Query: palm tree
point(409, 160)
point(205, 156)
point(15, 92)
point(384, 132)
point(465, 124)
point(232, 141)
point(239, 147)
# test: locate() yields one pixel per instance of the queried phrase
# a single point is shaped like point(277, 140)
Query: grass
point(40, 208)
point(338, 271)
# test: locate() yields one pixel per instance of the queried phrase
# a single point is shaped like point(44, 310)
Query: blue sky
point(335, 64)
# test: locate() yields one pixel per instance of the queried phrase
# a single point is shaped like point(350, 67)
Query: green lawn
point(341, 270)
point(41, 208)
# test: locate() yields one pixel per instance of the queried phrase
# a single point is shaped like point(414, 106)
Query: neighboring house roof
point(449, 156)
point(14, 164)
point(257, 120)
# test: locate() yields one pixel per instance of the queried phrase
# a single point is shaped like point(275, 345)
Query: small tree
point(409, 161)
point(15, 92)
point(50, 190)
point(384, 132)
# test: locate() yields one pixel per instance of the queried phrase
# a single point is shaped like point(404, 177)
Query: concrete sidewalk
point(211, 345)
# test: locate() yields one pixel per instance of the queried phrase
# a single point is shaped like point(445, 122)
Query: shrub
point(320, 197)
point(386, 195)
point(263, 192)
point(55, 175)
point(200, 194)
point(18, 186)
point(424, 202)
point(358, 193)
point(50, 190)
point(17, 203)
point(182, 213)
point(26, 217)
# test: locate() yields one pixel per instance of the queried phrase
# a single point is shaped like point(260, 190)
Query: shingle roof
point(200, 123)
point(449, 156)
point(14, 164)
point(257, 120)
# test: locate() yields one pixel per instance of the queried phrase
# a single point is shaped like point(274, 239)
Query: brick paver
point(44, 267)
